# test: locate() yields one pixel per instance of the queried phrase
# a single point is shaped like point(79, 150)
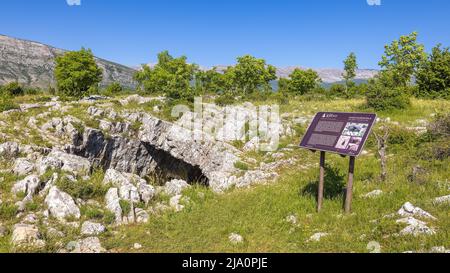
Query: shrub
point(113, 89)
point(384, 94)
point(13, 89)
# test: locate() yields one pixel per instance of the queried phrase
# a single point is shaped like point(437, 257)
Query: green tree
point(403, 57)
point(171, 76)
point(209, 81)
point(383, 93)
point(350, 66)
point(77, 73)
point(433, 76)
point(249, 75)
point(301, 81)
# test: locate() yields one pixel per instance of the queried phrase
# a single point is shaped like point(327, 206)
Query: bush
point(225, 99)
point(436, 143)
point(383, 94)
point(113, 89)
point(77, 74)
point(13, 89)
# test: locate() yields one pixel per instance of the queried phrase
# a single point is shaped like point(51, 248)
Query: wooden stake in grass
point(382, 146)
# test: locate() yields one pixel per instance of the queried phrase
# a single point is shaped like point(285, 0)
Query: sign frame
point(364, 138)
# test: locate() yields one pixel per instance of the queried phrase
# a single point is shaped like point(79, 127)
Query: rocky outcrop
point(215, 159)
point(33, 64)
point(66, 162)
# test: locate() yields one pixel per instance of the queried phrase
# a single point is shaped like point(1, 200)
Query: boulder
point(131, 187)
point(90, 228)
point(29, 186)
point(9, 149)
point(175, 203)
point(235, 239)
point(409, 209)
point(113, 203)
point(25, 235)
point(175, 187)
point(442, 200)
point(69, 163)
point(415, 227)
point(373, 194)
point(23, 166)
point(87, 245)
point(61, 205)
point(317, 236)
point(141, 215)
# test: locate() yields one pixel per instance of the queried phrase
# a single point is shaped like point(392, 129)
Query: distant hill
point(33, 64)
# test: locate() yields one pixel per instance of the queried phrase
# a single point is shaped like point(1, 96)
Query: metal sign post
point(321, 182)
point(340, 133)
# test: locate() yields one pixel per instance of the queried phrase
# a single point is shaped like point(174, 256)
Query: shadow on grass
point(334, 185)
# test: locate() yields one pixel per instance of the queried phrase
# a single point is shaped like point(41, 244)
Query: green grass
point(259, 214)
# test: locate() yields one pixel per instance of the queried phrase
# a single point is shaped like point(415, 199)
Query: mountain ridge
point(32, 63)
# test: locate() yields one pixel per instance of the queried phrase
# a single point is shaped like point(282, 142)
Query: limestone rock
point(9, 149)
point(442, 200)
point(317, 237)
point(415, 227)
point(141, 215)
point(131, 187)
point(70, 163)
point(409, 209)
point(236, 238)
point(61, 205)
point(373, 194)
point(90, 228)
point(175, 187)
point(25, 235)
point(23, 166)
point(255, 177)
point(175, 203)
point(29, 186)
point(113, 203)
point(87, 245)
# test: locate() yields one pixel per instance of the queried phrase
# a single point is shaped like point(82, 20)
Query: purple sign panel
point(341, 133)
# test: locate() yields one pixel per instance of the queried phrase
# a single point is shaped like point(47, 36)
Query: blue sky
point(310, 33)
